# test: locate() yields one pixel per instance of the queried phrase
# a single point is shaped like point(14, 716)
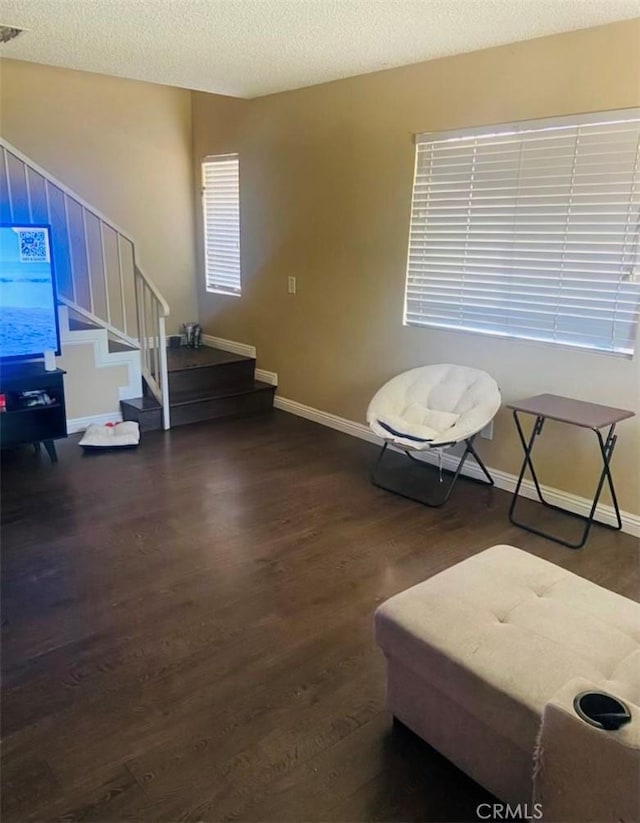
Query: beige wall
point(88, 390)
point(123, 146)
point(326, 176)
point(218, 123)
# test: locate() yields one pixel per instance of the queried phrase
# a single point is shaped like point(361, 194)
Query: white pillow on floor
point(110, 437)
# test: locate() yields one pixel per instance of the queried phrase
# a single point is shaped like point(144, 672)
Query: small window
point(221, 212)
point(530, 230)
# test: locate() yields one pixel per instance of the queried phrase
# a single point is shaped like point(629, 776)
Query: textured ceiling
point(249, 48)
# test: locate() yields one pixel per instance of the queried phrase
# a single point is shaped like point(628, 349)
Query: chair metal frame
point(435, 502)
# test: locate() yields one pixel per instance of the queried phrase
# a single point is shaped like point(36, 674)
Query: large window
point(221, 211)
point(529, 230)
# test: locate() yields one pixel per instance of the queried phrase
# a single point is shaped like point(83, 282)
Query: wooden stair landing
point(204, 384)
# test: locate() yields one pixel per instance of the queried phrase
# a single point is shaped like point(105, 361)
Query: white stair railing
point(152, 310)
point(95, 263)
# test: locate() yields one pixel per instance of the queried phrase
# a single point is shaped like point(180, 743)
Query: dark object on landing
point(193, 334)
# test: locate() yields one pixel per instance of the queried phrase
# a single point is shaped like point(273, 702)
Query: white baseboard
point(79, 424)
point(229, 345)
point(503, 480)
point(243, 349)
point(269, 377)
point(341, 424)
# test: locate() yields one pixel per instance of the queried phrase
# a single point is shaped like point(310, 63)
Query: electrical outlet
point(487, 432)
point(291, 287)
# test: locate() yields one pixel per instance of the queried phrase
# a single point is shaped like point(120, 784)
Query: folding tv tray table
point(574, 413)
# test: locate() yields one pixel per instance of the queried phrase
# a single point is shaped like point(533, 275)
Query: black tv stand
point(22, 423)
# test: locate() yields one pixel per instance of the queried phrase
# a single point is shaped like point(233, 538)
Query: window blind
point(529, 231)
point(221, 210)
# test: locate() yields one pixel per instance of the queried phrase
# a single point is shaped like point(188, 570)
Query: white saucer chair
point(433, 408)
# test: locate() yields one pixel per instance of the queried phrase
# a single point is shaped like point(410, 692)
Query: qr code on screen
point(34, 246)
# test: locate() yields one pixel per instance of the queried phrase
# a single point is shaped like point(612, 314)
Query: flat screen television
point(28, 300)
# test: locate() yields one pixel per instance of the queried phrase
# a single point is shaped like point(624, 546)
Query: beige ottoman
point(475, 654)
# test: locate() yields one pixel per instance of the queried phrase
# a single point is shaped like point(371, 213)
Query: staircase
point(101, 284)
point(204, 384)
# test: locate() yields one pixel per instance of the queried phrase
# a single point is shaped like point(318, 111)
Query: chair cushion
point(502, 631)
point(419, 422)
point(439, 404)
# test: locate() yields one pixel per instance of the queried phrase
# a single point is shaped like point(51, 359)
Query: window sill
point(222, 291)
point(530, 341)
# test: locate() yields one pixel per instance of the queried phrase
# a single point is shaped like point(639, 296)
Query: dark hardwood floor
point(187, 627)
